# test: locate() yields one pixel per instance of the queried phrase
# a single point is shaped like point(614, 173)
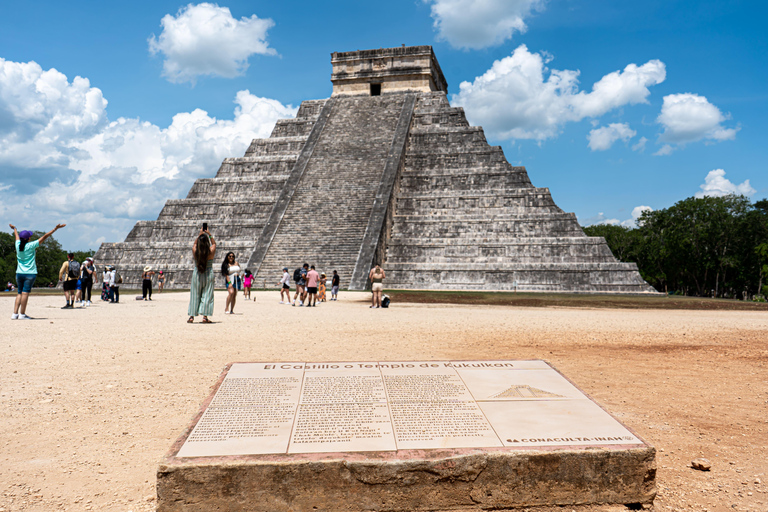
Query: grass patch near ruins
point(568, 300)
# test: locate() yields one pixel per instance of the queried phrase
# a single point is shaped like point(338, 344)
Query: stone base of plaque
point(413, 481)
point(402, 436)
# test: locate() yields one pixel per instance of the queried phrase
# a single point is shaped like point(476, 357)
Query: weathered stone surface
point(415, 481)
point(400, 179)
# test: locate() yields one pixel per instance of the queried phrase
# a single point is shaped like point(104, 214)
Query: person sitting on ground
point(201, 289)
point(285, 287)
point(376, 275)
point(313, 278)
point(26, 268)
point(69, 273)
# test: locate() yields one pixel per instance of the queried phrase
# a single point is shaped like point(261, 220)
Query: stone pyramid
point(386, 171)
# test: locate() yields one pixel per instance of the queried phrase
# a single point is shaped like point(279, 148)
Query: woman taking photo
point(230, 269)
point(26, 268)
point(201, 289)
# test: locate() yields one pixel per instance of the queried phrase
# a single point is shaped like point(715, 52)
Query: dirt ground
point(91, 399)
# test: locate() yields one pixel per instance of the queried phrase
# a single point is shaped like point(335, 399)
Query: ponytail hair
point(23, 243)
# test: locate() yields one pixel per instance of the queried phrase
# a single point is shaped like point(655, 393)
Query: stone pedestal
point(401, 436)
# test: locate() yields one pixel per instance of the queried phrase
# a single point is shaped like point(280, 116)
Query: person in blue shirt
point(26, 268)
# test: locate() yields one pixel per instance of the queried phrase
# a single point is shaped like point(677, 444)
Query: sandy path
point(90, 399)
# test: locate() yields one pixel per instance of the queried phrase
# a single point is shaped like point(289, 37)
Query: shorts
point(335, 290)
point(24, 282)
point(286, 287)
point(377, 287)
point(79, 285)
point(70, 285)
point(311, 289)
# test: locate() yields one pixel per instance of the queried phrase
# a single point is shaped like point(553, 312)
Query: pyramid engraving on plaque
point(384, 171)
point(525, 392)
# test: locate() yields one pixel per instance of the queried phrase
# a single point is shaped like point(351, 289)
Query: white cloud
point(716, 184)
point(515, 99)
point(690, 118)
point(632, 222)
point(640, 146)
point(601, 139)
point(62, 160)
point(205, 39)
point(475, 24)
point(664, 150)
point(637, 211)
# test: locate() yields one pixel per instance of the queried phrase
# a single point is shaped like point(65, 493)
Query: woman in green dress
point(201, 288)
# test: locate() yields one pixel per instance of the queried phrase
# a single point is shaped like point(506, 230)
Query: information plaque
point(299, 407)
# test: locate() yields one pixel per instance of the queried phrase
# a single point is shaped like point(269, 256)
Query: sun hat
point(25, 234)
point(147, 268)
point(161, 271)
point(285, 268)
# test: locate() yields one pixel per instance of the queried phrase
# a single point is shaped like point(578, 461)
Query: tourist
point(335, 286)
point(201, 286)
point(247, 283)
point(26, 268)
point(9, 286)
point(376, 275)
point(321, 288)
point(230, 269)
point(114, 285)
point(105, 284)
point(313, 278)
point(146, 283)
point(301, 283)
point(69, 273)
point(86, 278)
point(285, 287)
point(160, 280)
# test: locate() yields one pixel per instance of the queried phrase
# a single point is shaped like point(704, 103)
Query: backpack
point(297, 275)
point(74, 269)
point(118, 278)
point(385, 301)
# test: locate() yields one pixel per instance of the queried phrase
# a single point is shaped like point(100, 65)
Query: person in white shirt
point(230, 269)
point(285, 287)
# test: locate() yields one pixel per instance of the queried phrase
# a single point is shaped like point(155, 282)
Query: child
point(321, 288)
point(247, 282)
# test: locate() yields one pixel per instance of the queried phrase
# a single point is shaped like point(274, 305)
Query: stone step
point(276, 146)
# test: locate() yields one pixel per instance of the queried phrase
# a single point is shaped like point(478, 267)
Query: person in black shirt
point(335, 286)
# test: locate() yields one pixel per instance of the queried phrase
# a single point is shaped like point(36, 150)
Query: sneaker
point(68, 306)
point(88, 303)
point(293, 303)
point(15, 316)
point(281, 302)
point(301, 303)
point(22, 316)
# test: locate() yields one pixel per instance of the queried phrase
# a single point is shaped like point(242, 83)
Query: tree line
point(705, 246)
point(49, 258)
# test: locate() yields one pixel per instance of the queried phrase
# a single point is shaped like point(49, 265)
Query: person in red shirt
point(312, 279)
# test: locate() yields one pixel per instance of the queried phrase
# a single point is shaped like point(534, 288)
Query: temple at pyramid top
point(386, 70)
point(384, 171)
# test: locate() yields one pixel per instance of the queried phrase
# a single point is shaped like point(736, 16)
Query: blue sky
point(108, 109)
